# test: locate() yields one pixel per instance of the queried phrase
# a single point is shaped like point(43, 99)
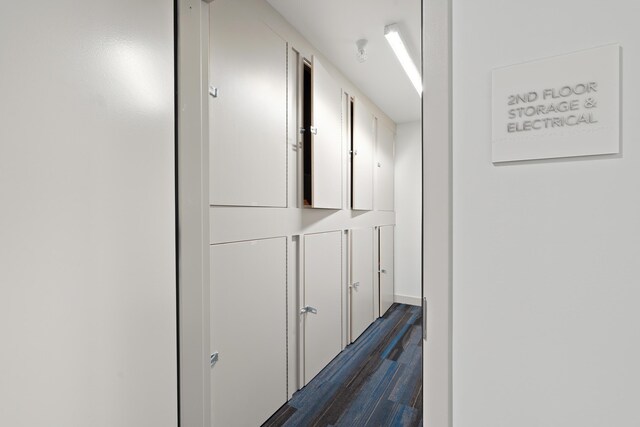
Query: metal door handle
point(308, 309)
point(383, 271)
point(355, 285)
point(314, 130)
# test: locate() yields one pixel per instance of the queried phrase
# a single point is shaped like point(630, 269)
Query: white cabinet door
point(326, 139)
point(361, 256)
point(248, 117)
point(322, 291)
point(383, 198)
point(362, 164)
point(248, 330)
point(386, 267)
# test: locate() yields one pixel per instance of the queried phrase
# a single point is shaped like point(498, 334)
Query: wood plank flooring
point(376, 381)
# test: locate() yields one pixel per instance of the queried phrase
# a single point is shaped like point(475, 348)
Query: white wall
point(546, 270)
point(87, 251)
point(408, 205)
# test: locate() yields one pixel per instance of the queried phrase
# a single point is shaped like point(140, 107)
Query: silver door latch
point(308, 309)
point(314, 130)
point(383, 271)
point(213, 91)
point(355, 285)
point(214, 358)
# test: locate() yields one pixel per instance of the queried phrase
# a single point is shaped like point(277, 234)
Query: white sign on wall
point(563, 106)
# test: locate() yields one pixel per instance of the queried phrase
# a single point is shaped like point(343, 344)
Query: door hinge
point(308, 309)
point(213, 91)
point(214, 358)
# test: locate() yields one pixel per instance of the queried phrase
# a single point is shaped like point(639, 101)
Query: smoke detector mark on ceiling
point(362, 50)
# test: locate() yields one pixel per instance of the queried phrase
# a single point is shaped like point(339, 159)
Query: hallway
point(376, 381)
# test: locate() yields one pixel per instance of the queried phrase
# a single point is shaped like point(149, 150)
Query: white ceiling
point(333, 26)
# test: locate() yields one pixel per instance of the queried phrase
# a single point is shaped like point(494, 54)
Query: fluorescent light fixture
point(392, 33)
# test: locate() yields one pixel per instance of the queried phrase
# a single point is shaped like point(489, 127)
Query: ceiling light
point(392, 33)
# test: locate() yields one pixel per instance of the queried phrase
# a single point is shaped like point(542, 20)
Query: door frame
point(437, 212)
point(192, 18)
point(192, 163)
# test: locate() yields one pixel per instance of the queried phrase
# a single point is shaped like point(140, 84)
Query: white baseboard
point(404, 299)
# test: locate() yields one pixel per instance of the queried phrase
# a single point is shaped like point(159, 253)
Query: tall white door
point(322, 321)
point(362, 156)
point(248, 331)
point(383, 168)
point(248, 125)
point(385, 270)
point(326, 139)
point(361, 286)
point(87, 214)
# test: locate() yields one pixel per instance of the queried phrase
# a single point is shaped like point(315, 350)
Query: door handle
point(355, 285)
point(383, 271)
point(308, 309)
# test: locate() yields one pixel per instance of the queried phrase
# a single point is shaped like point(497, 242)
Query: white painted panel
point(295, 182)
point(293, 318)
point(346, 274)
point(193, 204)
point(386, 268)
point(408, 208)
point(327, 142)
point(248, 135)
point(437, 213)
point(363, 149)
point(376, 275)
point(87, 224)
point(383, 168)
point(545, 255)
point(347, 164)
point(248, 329)
point(361, 254)
point(322, 290)
point(235, 223)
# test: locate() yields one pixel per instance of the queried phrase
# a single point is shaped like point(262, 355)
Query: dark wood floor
point(376, 381)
